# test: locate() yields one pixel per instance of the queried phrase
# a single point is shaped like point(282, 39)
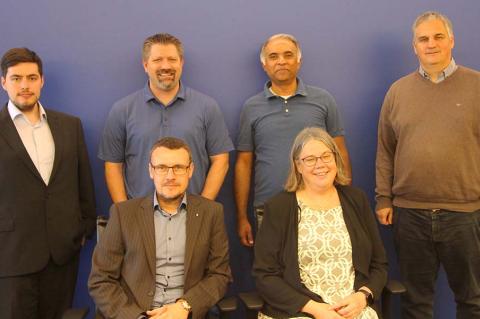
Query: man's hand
point(170, 311)
point(351, 306)
point(245, 232)
point(385, 216)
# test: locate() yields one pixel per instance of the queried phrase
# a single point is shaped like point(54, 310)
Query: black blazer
point(38, 221)
point(276, 268)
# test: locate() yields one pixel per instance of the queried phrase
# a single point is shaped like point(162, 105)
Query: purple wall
point(354, 49)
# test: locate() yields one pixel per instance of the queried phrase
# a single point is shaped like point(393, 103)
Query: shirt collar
point(301, 89)
point(156, 206)
point(15, 112)
point(452, 67)
point(148, 95)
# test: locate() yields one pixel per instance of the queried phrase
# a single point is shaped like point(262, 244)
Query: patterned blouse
point(325, 256)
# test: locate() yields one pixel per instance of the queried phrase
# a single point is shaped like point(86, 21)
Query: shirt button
point(169, 258)
point(169, 238)
point(286, 110)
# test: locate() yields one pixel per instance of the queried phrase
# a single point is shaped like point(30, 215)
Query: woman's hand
point(320, 310)
point(350, 306)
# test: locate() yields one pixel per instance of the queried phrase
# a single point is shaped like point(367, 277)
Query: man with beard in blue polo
point(164, 107)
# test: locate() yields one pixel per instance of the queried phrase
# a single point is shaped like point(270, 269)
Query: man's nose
point(170, 174)
point(432, 42)
point(164, 64)
point(24, 84)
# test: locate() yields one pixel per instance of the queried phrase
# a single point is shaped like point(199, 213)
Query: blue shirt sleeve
point(218, 140)
point(334, 121)
point(112, 145)
point(245, 135)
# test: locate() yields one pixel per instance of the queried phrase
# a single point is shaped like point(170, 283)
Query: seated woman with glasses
point(318, 253)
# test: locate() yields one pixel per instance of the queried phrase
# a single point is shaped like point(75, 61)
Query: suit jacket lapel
point(194, 221)
point(147, 228)
point(58, 135)
point(9, 132)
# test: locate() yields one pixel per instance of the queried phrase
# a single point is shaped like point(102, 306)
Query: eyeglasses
point(177, 169)
point(311, 160)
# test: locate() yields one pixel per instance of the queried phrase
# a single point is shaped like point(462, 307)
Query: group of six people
point(318, 253)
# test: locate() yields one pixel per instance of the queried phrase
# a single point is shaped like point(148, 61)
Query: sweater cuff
point(383, 202)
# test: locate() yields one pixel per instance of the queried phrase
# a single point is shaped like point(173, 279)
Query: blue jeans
point(426, 239)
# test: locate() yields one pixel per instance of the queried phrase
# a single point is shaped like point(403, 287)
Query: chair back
point(101, 225)
point(258, 216)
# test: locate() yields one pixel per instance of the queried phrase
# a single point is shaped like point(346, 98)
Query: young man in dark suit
point(47, 204)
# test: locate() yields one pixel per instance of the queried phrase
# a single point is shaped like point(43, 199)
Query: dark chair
point(223, 308)
point(254, 303)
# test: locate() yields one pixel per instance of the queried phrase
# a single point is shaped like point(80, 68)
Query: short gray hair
point(294, 179)
point(281, 36)
point(433, 15)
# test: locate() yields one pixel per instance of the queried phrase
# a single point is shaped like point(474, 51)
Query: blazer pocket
point(6, 225)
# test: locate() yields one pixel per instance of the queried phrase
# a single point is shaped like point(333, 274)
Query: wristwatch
point(185, 305)
point(368, 296)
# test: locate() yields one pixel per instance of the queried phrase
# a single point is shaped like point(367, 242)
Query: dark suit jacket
point(122, 280)
point(276, 268)
point(38, 221)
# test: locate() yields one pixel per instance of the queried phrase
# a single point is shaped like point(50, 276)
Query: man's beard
point(25, 107)
point(167, 85)
point(170, 199)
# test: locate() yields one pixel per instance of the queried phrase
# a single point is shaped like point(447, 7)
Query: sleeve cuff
point(383, 202)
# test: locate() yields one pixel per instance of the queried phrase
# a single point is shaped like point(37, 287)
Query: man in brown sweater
point(428, 172)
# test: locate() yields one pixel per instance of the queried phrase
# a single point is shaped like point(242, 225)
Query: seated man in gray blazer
point(164, 255)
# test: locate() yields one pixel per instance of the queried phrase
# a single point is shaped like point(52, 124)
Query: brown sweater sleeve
point(386, 145)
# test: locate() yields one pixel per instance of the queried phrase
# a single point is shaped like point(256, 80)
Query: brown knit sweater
point(428, 153)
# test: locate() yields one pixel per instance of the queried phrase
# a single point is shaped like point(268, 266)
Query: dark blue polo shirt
point(269, 125)
point(137, 121)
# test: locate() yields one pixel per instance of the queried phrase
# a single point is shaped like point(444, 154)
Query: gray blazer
point(122, 280)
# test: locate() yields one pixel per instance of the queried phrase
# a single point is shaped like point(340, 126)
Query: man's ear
point(144, 63)
point(192, 168)
point(150, 170)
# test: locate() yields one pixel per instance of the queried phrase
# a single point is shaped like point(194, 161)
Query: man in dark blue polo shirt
point(270, 121)
point(164, 107)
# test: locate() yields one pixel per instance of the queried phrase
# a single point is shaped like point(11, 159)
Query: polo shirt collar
point(148, 95)
point(15, 112)
point(301, 89)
